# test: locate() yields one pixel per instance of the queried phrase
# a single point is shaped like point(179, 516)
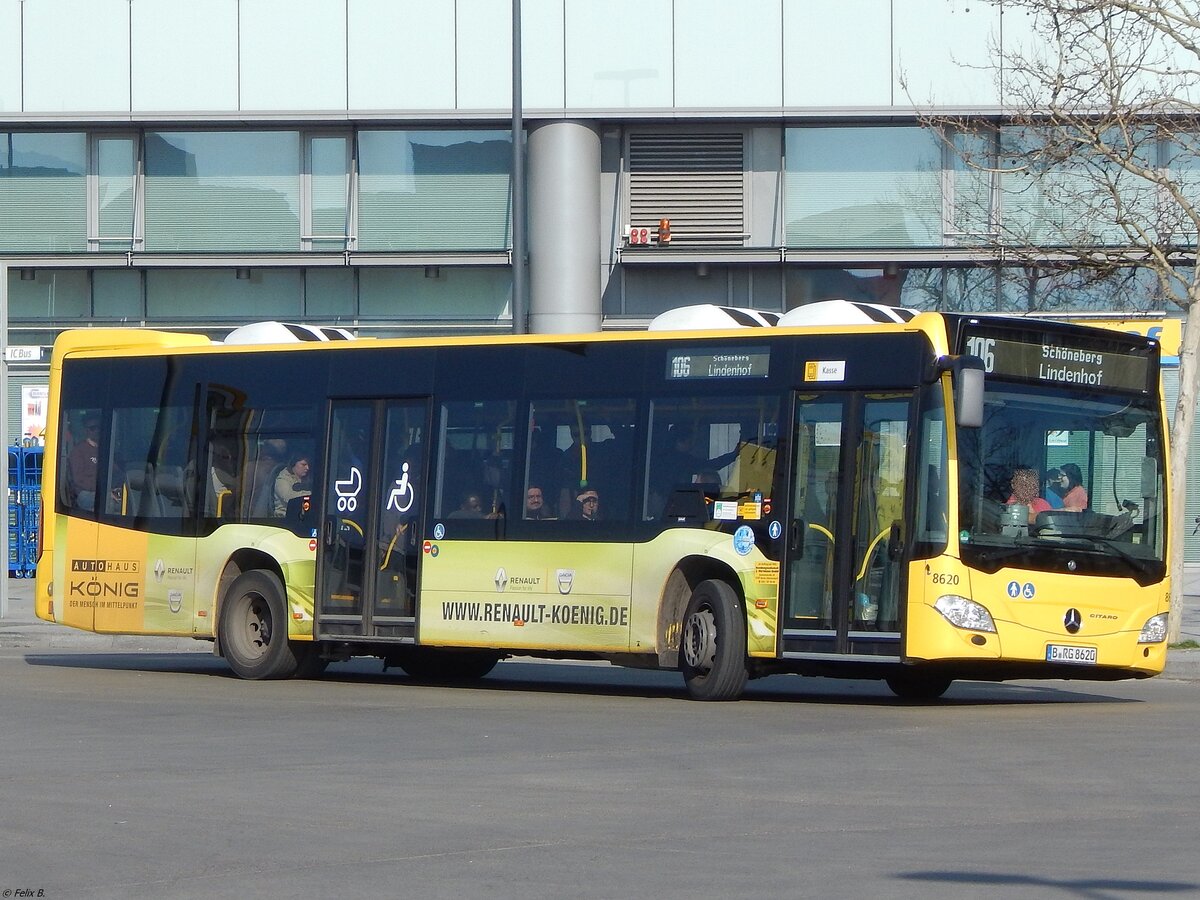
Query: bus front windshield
point(1058, 479)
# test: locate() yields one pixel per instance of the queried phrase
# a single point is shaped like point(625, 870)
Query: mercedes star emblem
point(1072, 620)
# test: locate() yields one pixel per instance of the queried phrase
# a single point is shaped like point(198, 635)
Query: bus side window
point(474, 467)
point(596, 441)
point(705, 449)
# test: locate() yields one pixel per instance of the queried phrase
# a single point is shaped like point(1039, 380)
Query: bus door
point(843, 583)
point(374, 503)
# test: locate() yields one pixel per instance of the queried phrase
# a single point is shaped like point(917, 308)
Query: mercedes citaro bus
point(858, 496)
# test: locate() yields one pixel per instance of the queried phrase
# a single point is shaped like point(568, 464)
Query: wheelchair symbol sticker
point(1028, 590)
point(402, 495)
point(439, 531)
point(347, 490)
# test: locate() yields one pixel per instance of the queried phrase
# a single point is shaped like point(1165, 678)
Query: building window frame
point(310, 239)
point(97, 241)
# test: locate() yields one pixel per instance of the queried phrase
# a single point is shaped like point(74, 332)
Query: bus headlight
point(963, 613)
point(1155, 630)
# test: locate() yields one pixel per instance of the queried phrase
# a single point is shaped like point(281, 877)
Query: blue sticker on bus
point(439, 531)
point(775, 530)
point(743, 540)
point(1028, 590)
point(1014, 589)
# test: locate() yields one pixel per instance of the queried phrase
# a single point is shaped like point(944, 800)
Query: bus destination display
point(747, 362)
point(1049, 361)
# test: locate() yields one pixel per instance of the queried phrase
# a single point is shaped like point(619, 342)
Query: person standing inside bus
point(83, 463)
point(1075, 498)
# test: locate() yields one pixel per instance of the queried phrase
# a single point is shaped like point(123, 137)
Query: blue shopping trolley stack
point(24, 503)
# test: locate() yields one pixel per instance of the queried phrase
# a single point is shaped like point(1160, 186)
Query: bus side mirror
point(967, 375)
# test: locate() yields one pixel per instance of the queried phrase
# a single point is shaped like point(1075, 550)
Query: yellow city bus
point(846, 500)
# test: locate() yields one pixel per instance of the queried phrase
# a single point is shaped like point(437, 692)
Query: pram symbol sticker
point(347, 490)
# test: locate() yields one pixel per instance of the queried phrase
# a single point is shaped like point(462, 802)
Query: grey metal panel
point(696, 180)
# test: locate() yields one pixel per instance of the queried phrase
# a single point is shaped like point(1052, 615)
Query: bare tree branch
point(1095, 165)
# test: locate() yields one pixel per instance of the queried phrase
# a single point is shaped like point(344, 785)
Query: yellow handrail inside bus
point(582, 447)
point(870, 550)
point(387, 554)
point(821, 528)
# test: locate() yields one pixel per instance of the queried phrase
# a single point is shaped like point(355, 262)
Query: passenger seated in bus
point(587, 505)
point(1075, 498)
point(1053, 488)
point(83, 464)
point(1025, 487)
point(535, 505)
point(291, 483)
point(471, 507)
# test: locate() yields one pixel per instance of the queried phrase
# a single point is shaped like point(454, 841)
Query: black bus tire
point(919, 686)
point(253, 628)
point(712, 643)
point(435, 664)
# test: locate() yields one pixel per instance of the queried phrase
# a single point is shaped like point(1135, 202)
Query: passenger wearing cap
point(82, 464)
point(587, 505)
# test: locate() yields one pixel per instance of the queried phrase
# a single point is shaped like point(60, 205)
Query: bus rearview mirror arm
point(966, 373)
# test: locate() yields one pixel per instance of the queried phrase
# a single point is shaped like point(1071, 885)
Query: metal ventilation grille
point(695, 180)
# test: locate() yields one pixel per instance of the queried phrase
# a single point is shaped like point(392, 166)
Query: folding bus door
point(374, 504)
point(843, 569)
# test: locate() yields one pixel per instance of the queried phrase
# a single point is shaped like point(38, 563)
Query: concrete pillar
point(564, 227)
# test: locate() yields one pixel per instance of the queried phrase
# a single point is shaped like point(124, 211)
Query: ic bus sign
point(1049, 359)
point(26, 354)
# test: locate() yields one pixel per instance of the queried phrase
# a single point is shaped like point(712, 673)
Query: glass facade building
point(200, 165)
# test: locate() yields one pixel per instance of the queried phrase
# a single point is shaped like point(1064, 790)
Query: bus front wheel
point(712, 652)
point(253, 628)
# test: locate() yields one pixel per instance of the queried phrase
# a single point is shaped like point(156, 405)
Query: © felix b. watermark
point(23, 892)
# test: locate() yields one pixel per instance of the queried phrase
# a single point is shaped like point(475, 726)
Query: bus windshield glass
point(1063, 479)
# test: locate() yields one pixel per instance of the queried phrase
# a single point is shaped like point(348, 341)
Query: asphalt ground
point(20, 628)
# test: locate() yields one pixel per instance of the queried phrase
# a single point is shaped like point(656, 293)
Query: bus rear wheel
point(253, 628)
point(712, 652)
point(914, 686)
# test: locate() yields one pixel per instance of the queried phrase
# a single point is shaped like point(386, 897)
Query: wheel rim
point(700, 640)
point(254, 636)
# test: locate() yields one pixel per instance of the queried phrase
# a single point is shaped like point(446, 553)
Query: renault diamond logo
point(159, 569)
point(1072, 620)
point(501, 580)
